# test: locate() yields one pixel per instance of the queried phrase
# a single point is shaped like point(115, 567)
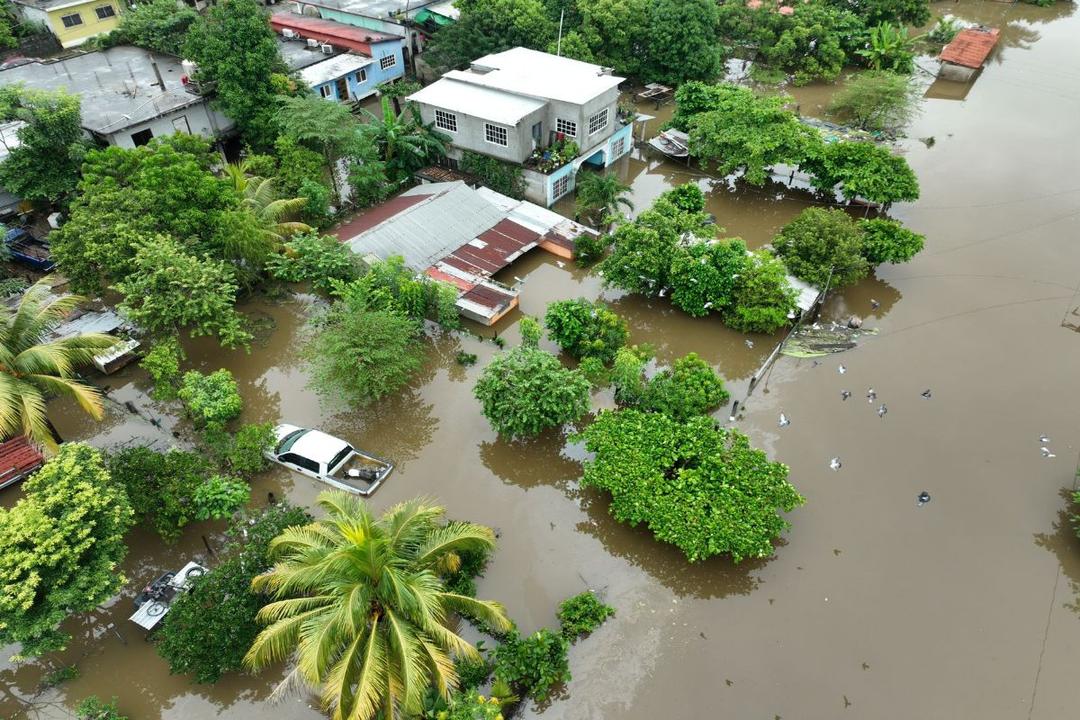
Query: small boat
point(673, 143)
point(29, 250)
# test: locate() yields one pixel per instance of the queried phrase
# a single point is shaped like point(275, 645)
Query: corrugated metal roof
point(970, 47)
point(431, 228)
point(469, 99)
point(333, 68)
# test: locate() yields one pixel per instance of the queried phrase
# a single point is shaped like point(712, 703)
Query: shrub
point(218, 497)
point(877, 100)
point(534, 664)
point(211, 400)
point(94, 708)
point(162, 364)
point(823, 246)
point(763, 297)
point(209, 629)
point(586, 329)
point(696, 486)
point(319, 259)
point(582, 614)
point(471, 565)
point(244, 451)
point(160, 486)
point(590, 248)
point(690, 388)
point(472, 706)
point(526, 390)
point(628, 376)
point(888, 241)
point(502, 177)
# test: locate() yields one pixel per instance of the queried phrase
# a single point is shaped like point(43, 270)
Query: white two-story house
point(547, 113)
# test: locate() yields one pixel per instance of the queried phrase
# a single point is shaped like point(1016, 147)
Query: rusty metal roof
point(970, 47)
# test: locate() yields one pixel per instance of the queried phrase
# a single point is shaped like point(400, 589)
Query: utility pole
point(558, 47)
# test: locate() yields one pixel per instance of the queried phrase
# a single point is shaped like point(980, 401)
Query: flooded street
point(873, 606)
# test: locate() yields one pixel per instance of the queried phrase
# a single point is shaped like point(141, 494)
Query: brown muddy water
point(873, 607)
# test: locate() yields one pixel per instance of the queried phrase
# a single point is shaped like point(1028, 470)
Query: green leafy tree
point(326, 127)
point(744, 132)
point(272, 215)
point(697, 486)
point(823, 246)
point(628, 375)
point(863, 169)
point(243, 452)
point(236, 50)
point(906, 12)
point(526, 390)
point(63, 543)
point(589, 248)
point(890, 48)
point(127, 195)
point(502, 177)
point(703, 276)
point(616, 33)
point(162, 364)
point(160, 486)
point(360, 604)
point(389, 285)
point(586, 329)
point(219, 497)
point(491, 26)
point(689, 388)
point(159, 25)
point(533, 665)
point(683, 44)
point(361, 354)
point(764, 299)
point(877, 100)
point(302, 172)
point(94, 708)
point(34, 367)
point(210, 628)
point(887, 241)
point(318, 259)
point(211, 400)
point(44, 165)
point(572, 45)
point(398, 90)
point(599, 197)
point(582, 614)
point(368, 173)
point(169, 290)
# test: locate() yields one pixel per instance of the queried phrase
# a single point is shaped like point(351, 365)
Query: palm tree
point(33, 368)
point(361, 605)
point(600, 196)
point(258, 196)
point(405, 145)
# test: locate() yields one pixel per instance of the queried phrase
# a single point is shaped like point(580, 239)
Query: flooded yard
point(874, 606)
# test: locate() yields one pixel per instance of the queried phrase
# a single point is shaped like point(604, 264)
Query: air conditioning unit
point(327, 49)
point(289, 34)
point(312, 43)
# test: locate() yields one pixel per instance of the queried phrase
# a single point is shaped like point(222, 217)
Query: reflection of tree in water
point(1035, 15)
point(531, 463)
point(717, 577)
point(1064, 543)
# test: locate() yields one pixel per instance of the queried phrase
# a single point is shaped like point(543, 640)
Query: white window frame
point(445, 120)
point(565, 182)
point(598, 121)
point(361, 76)
point(110, 8)
point(618, 147)
point(326, 90)
point(77, 22)
point(491, 130)
point(566, 127)
point(387, 61)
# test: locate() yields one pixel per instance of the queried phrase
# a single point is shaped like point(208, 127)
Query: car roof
point(318, 446)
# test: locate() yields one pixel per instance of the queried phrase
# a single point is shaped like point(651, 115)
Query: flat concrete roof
point(333, 68)
point(297, 56)
point(539, 74)
point(478, 101)
point(117, 86)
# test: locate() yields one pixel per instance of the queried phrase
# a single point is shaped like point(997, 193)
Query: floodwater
point(874, 606)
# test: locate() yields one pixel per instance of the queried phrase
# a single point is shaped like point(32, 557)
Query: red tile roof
point(327, 31)
point(18, 457)
point(970, 47)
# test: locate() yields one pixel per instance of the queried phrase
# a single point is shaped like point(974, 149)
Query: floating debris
point(750, 343)
point(841, 369)
point(1046, 452)
point(816, 340)
point(926, 393)
point(845, 394)
point(784, 420)
point(1044, 439)
point(834, 464)
point(881, 411)
point(874, 304)
point(871, 395)
point(923, 498)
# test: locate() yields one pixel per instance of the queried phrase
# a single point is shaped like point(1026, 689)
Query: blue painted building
point(353, 77)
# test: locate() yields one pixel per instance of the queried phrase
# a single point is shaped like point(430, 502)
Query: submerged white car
point(329, 459)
